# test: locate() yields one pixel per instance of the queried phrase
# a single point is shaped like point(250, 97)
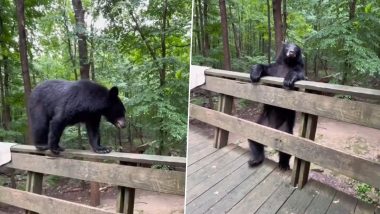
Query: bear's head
point(115, 111)
point(290, 55)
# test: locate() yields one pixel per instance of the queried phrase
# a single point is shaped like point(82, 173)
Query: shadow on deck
point(219, 181)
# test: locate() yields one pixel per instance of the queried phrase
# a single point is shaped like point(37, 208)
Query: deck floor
point(219, 181)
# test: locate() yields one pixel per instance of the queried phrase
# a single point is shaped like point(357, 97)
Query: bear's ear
point(114, 92)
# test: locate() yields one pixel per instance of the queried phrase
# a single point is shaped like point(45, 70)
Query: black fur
point(55, 104)
point(289, 64)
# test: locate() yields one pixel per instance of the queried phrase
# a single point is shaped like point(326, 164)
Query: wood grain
point(164, 181)
point(44, 204)
point(360, 113)
point(115, 156)
point(316, 86)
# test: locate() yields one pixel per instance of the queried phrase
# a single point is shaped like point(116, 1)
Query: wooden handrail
point(114, 156)
point(316, 86)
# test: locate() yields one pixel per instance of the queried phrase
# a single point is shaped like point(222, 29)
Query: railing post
point(225, 106)
point(34, 184)
point(301, 167)
point(126, 196)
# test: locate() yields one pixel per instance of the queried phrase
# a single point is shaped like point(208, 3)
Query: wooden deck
point(219, 181)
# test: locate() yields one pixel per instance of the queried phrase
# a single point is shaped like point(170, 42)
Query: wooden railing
point(117, 170)
point(311, 104)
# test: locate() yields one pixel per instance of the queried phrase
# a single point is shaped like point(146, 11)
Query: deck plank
point(201, 153)
point(276, 200)
point(212, 179)
point(324, 196)
point(299, 201)
point(247, 200)
point(342, 203)
point(221, 182)
point(213, 167)
point(205, 201)
point(209, 159)
point(364, 208)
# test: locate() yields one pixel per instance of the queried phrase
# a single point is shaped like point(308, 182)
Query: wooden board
point(164, 181)
point(360, 113)
point(225, 188)
point(324, 196)
point(191, 168)
point(276, 200)
point(356, 167)
point(200, 153)
point(213, 167)
point(364, 208)
point(255, 198)
point(115, 156)
point(316, 86)
point(298, 201)
point(44, 204)
point(342, 203)
point(212, 179)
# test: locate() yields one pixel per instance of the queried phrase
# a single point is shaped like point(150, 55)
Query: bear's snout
point(120, 123)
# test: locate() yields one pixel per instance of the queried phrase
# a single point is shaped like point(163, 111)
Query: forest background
point(140, 46)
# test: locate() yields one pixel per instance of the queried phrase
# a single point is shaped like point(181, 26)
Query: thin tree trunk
point(24, 60)
point(279, 37)
point(70, 46)
point(197, 28)
point(201, 26)
point(352, 10)
point(269, 32)
point(285, 15)
point(226, 48)
point(7, 116)
point(82, 39)
point(206, 34)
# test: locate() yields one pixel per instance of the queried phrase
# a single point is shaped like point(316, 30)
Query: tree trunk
point(279, 37)
point(285, 15)
point(206, 35)
point(72, 53)
point(197, 29)
point(201, 26)
point(7, 116)
point(24, 61)
point(82, 39)
point(351, 14)
point(269, 32)
point(226, 48)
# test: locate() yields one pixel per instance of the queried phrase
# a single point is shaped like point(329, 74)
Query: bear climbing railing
point(119, 169)
point(307, 100)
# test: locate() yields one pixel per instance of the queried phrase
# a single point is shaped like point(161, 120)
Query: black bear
point(289, 64)
point(55, 104)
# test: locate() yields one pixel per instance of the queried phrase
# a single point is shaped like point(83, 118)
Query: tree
point(224, 24)
point(278, 29)
point(269, 32)
point(82, 39)
point(24, 59)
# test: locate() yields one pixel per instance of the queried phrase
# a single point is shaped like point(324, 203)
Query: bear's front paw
point(57, 150)
point(288, 84)
point(102, 150)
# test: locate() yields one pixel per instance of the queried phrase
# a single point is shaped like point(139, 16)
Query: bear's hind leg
point(257, 153)
point(40, 128)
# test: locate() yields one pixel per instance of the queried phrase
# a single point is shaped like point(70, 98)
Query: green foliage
point(367, 193)
point(348, 49)
point(123, 54)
